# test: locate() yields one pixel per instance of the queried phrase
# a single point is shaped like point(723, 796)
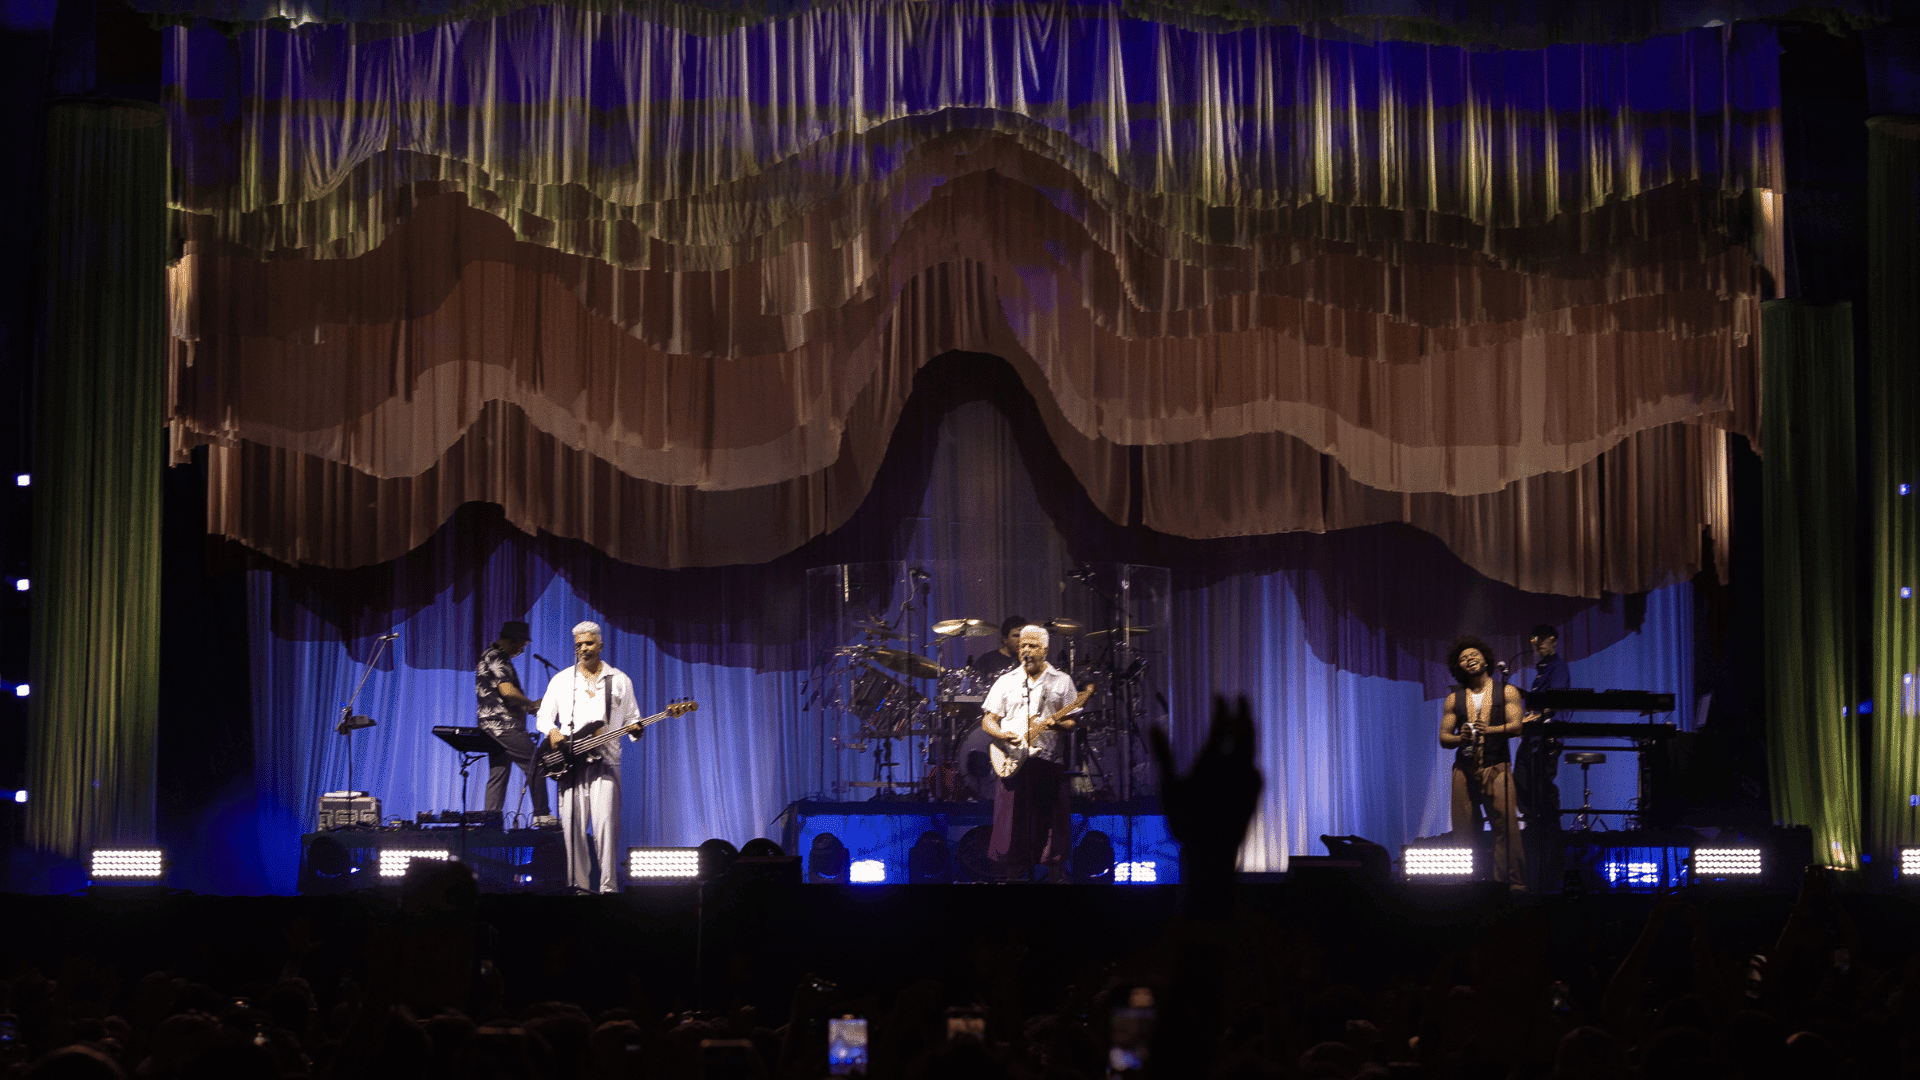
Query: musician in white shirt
point(589, 692)
point(1031, 821)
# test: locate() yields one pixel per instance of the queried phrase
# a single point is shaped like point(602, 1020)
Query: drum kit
point(934, 705)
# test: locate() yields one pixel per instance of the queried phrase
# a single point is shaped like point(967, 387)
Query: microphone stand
point(350, 723)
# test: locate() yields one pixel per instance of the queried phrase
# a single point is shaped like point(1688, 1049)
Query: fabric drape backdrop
point(561, 250)
point(1339, 642)
point(94, 661)
point(1524, 25)
point(1810, 493)
point(1893, 209)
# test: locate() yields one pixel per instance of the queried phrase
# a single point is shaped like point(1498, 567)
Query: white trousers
point(590, 815)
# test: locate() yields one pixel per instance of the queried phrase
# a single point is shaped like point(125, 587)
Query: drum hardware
point(1127, 631)
point(874, 628)
point(910, 664)
point(1064, 627)
point(965, 628)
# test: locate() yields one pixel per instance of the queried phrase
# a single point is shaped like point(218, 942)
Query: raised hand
point(1209, 808)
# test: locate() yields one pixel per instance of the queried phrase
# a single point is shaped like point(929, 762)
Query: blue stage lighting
point(22, 479)
point(867, 872)
point(17, 796)
point(1092, 863)
point(828, 859)
point(21, 584)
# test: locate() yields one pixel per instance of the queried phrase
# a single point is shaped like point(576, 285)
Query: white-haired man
point(589, 692)
point(1031, 820)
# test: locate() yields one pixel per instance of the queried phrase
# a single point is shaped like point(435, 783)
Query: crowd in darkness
point(1551, 987)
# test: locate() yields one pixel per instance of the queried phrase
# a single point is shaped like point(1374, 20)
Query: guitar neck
point(601, 738)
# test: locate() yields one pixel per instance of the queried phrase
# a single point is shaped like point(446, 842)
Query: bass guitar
point(555, 762)
point(1009, 756)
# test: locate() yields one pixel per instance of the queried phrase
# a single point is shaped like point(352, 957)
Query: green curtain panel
point(1893, 255)
point(1806, 363)
point(99, 449)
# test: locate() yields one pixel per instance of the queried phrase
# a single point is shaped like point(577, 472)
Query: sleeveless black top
point(1493, 750)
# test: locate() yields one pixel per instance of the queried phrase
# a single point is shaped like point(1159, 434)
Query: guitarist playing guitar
point(588, 693)
point(1027, 715)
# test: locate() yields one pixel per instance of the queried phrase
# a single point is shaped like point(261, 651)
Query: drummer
point(995, 662)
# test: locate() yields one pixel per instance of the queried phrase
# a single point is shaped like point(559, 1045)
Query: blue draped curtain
point(1337, 639)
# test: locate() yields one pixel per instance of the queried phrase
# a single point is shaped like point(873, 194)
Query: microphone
point(918, 574)
point(545, 661)
point(388, 637)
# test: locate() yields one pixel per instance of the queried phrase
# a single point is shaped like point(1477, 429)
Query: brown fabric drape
point(669, 294)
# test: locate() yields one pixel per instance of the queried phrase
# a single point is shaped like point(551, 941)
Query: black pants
point(519, 748)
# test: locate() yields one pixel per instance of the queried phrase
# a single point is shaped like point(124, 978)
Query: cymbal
point(964, 628)
point(907, 663)
point(1064, 627)
point(876, 628)
point(1129, 631)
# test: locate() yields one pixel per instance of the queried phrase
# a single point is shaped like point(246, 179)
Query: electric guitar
point(1008, 758)
point(557, 761)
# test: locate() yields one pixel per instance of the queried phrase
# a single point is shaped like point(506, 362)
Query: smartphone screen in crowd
point(1131, 1034)
point(847, 1046)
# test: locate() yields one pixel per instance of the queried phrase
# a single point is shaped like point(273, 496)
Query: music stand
point(471, 744)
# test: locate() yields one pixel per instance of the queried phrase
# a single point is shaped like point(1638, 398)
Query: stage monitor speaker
point(348, 809)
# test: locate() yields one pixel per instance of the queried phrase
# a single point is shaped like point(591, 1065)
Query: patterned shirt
point(1016, 700)
point(493, 669)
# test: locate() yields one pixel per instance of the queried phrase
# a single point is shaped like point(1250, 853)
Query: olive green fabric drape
point(99, 447)
point(1806, 363)
point(1893, 259)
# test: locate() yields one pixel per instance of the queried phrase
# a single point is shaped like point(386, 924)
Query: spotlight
point(393, 861)
point(663, 864)
point(928, 860)
point(761, 848)
point(22, 479)
point(827, 860)
point(716, 856)
point(19, 796)
point(1909, 860)
point(1136, 873)
point(1713, 864)
point(1437, 863)
point(1092, 862)
point(127, 865)
point(21, 584)
point(867, 872)
point(21, 690)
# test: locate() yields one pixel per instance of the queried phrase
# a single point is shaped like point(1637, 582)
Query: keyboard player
point(1537, 770)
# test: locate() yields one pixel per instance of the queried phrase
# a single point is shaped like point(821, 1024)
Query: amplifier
point(344, 809)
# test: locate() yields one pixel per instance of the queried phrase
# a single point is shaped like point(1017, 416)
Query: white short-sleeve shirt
point(1017, 699)
point(574, 699)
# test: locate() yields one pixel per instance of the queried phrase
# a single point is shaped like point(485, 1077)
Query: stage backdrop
point(1337, 639)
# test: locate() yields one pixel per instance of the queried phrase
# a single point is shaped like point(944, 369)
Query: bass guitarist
point(1026, 716)
point(590, 692)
